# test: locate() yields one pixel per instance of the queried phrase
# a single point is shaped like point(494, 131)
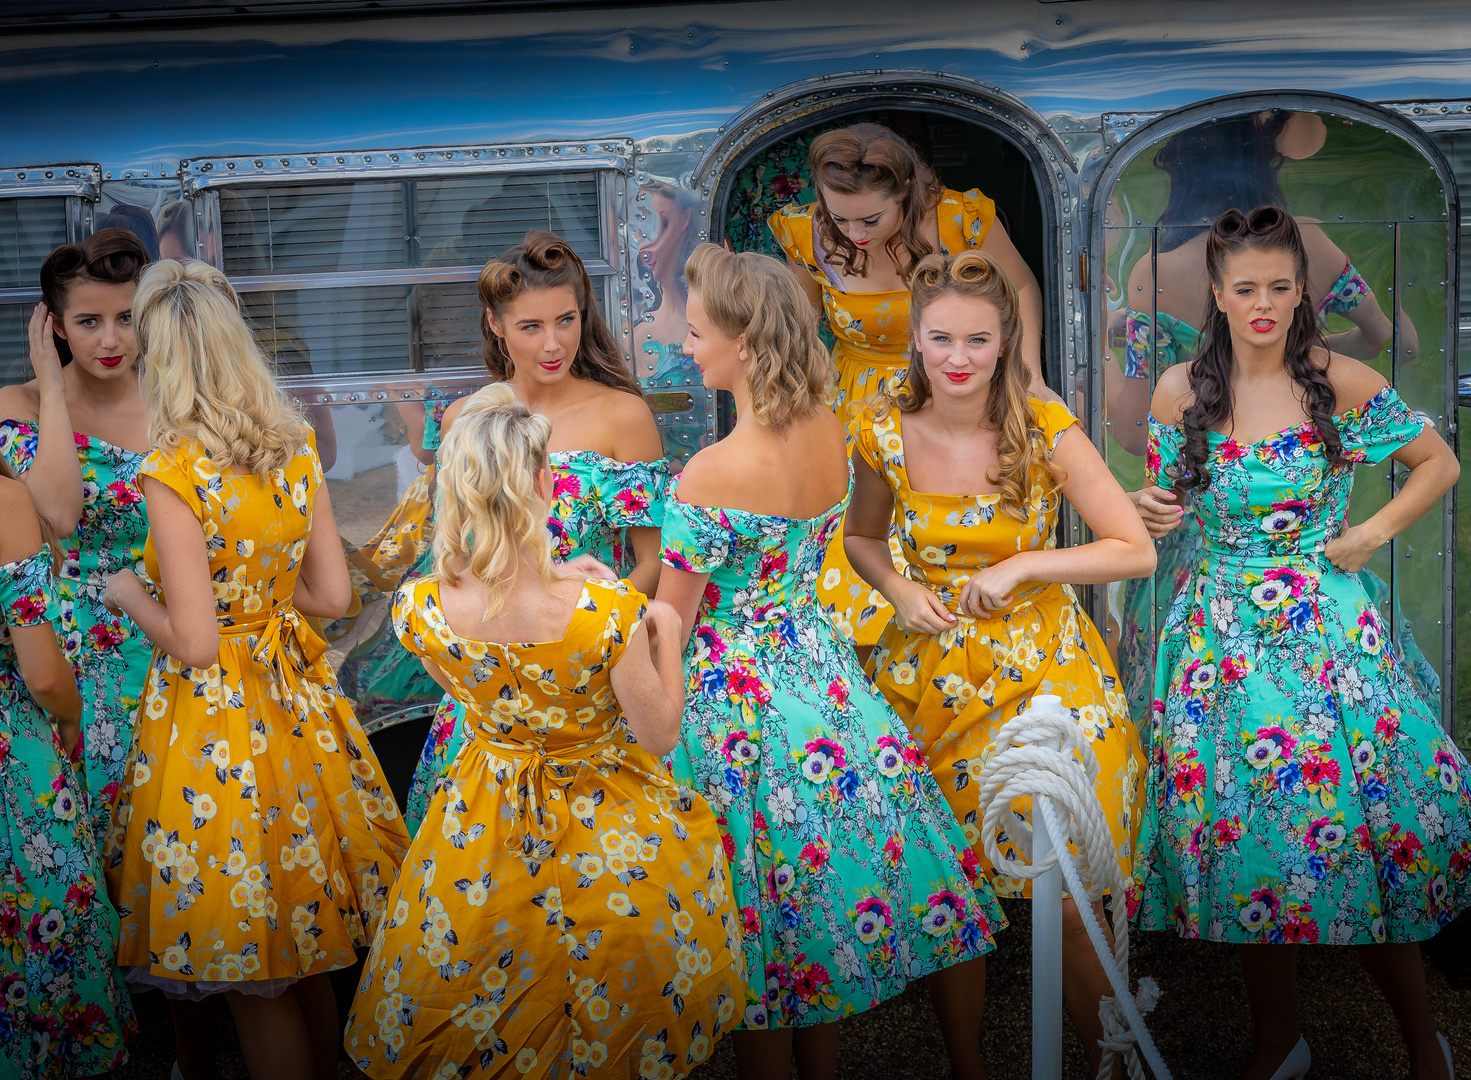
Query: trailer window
point(29, 229)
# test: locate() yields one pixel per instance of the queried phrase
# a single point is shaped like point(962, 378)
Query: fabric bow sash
point(287, 646)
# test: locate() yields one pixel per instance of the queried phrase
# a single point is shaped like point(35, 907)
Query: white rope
point(1027, 762)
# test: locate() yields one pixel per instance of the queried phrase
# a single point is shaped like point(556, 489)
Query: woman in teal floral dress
point(851, 875)
point(545, 336)
point(76, 435)
point(1300, 790)
point(63, 1009)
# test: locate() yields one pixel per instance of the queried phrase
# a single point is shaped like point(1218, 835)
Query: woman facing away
point(1300, 791)
point(76, 435)
point(254, 840)
point(974, 470)
point(566, 907)
point(879, 210)
point(64, 1011)
point(546, 340)
point(850, 874)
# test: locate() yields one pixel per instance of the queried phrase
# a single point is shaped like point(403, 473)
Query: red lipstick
point(552, 365)
point(958, 376)
point(1263, 326)
point(109, 361)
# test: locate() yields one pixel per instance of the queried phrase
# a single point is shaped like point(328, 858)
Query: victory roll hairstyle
point(204, 377)
point(1267, 228)
point(1021, 452)
point(870, 157)
point(109, 256)
point(756, 296)
point(489, 512)
point(544, 260)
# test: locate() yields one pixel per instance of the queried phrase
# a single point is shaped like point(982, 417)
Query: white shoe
point(1445, 1046)
point(1296, 1064)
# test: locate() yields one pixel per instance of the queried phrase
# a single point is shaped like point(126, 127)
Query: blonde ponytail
point(489, 514)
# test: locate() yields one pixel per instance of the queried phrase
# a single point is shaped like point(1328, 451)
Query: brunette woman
point(1300, 791)
point(76, 435)
point(974, 471)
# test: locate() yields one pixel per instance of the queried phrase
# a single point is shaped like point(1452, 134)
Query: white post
point(1046, 941)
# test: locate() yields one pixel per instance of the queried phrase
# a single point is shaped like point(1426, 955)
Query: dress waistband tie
point(285, 644)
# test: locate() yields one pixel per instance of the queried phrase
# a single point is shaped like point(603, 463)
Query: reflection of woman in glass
point(1226, 162)
point(879, 210)
point(1300, 790)
point(661, 264)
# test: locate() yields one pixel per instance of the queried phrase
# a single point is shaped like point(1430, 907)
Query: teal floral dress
point(1300, 790)
point(597, 501)
point(109, 653)
point(851, 874)
point(63, 1009)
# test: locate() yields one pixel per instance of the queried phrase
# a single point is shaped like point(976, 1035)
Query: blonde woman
point(851, 874)
point(254, 840)
point(564, 900)
point(973, 469)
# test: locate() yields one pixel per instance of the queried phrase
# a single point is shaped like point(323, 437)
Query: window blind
point(29, 229)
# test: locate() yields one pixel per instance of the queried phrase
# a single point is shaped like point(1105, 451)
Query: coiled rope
point(1043, 754)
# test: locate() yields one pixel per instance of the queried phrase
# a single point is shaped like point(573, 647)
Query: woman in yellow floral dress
point(566, 906)
point(254, 840)
point(983, 618)
point(879, 210)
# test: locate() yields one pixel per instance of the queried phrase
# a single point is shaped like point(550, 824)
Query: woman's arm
point(55, 475)
point(866, 543)
point(1434, 470)
point(186, 628)
point(682, 592)
point(322, 585)
point(999, 247)
point(1123, 549)
point(646, 572)
point(649, 680)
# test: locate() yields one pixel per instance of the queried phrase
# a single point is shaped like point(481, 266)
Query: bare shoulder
point(706, 477)
point(1354, 382)
point(624, 423)
point(1172, 395)
point(21, 537)
point(450, 413)
point(19, 401)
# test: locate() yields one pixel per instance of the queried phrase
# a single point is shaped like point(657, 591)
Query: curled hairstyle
point(1021, 451)
point(1213, 402)
point(109, 256)
point(490, 514)
point(544, 260)
point(743, 293)
point(870, 157)
point(204, 377)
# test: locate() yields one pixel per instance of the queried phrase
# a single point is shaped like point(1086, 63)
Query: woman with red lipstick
point(1300, 790)
point(545, 337)
point(974, 468)
point(879, 210)
point(77, 435)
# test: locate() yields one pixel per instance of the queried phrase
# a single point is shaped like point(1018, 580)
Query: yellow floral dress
point(565, 908)
point(955, 689)
point(254, 839)
point(871, 354)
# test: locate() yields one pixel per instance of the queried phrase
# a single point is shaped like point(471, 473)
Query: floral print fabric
point(956, 689)
point(566, 908)
point(254, 837)
point(1299, 789)
point(597, 501)
point(851, 875)
point(63, 1009)
point(109, 653)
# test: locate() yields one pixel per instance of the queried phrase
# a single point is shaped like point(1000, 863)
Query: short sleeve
point(1164, 447)
point(1379, 427)
point(622, 609)
point(408, 624)
point(791, 226)
point(866, 440)
point(693, 539)
point(18, 444)
point(1053, 417)
point(436, 404)
point(631, 493)
point(27, 597)
point(192, 476)
point(964, 219)
point(1347, 293)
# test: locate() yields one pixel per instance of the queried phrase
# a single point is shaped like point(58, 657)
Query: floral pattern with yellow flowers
point(254, 837)
point(63, 1009)
point(851, 875)
point(872, 354)
point(957, 688)
point(1300, 790)
point(109, 653)
point(565, 909)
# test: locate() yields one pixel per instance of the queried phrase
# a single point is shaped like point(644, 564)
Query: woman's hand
point(991, 589)
point(1159, 509)
point(585, 566)
point(70, 733)
point(45, 360)
point(919, 610)
point(121, 588)
point(664, 625)
point(1352, 549)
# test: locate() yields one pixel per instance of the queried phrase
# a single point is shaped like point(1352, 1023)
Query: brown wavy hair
point(745, 293)
point(870, 157)
point(544, 260)
point(1267, 228)
point(110, 256)
point(1022, 454)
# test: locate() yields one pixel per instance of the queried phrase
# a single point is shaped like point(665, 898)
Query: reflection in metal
point(76, 179)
